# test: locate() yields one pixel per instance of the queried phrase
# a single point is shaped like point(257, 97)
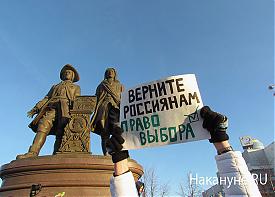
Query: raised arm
point(122, 183)
point(233, 171)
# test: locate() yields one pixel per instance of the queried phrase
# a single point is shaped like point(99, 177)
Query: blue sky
point(228, 44)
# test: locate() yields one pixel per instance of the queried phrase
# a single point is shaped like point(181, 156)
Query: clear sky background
point(227, 44)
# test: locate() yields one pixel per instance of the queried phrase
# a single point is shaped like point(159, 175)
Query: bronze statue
point(53, 112)
point(108, 97)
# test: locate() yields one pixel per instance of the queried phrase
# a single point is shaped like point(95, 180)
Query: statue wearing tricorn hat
point(53, 112)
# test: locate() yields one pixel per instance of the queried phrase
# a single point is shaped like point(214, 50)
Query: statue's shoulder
point(102, 84)
point(73, 85)
point(57, 84)
point(118, 84)
point(77, 86)
point(54, 86)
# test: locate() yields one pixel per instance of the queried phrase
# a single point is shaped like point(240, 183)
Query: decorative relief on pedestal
point(84, 104)
point(77, 124)
point(76, 136)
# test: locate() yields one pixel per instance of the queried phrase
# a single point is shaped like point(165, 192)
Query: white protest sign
point(162, 112)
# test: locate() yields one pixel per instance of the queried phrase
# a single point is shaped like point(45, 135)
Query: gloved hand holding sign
point(114, 144)
point(215, 123)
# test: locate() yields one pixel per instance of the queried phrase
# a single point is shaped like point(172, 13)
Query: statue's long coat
point(70, 93)
point(107, 94)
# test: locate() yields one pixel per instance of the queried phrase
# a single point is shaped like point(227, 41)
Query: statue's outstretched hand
point(32, 112)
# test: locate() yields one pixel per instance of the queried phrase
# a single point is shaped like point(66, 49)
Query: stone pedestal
point(78, 175)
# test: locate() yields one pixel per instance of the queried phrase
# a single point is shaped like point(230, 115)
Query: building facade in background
point(260, 162)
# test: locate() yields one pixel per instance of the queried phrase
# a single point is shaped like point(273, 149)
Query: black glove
point(215, 123)
point(114, 145)
point(113, 118)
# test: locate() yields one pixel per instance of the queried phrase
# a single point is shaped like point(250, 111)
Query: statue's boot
point(34, 149)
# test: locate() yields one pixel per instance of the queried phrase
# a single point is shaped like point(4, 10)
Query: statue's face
point(111, 73)
point(68, 75)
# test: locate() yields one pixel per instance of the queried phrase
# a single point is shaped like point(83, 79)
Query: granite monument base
point(78, 175)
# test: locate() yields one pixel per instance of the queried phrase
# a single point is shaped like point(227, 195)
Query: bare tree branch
point(164, 190)
point(190, 188)
point(152, 185)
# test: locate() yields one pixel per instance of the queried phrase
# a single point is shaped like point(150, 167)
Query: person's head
point(110, 73)
point(68, 72)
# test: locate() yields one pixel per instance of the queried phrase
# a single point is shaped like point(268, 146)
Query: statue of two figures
point(66, 114)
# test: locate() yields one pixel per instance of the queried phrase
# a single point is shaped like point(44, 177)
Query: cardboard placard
point(162, 112)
